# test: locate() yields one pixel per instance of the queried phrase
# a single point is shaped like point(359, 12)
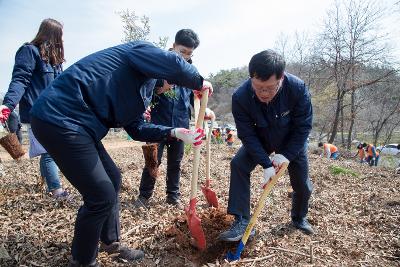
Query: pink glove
point(147, 114)
point(189, 136)
point(4, 113)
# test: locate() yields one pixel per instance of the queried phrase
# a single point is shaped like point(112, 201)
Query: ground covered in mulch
point(355, 210)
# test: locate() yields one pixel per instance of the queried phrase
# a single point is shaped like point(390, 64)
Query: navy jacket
point(111, 88)
point(282, 126)
point(172, 111)
point(30, 76)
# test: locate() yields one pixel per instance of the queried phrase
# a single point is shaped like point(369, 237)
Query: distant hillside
point(224, 83)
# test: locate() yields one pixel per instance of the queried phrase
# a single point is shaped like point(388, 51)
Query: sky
point(230, 31)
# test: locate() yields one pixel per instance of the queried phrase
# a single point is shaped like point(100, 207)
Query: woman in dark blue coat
point(108, 89)
point(37, 64)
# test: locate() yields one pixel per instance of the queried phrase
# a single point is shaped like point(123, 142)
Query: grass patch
point(336, 170)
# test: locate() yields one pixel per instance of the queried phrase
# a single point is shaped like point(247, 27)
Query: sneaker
point(64, 196)
point(176, 203)
point(141, 202)
point(304, 226)
point(236, 232)
point(73, 263)
point(125, 252)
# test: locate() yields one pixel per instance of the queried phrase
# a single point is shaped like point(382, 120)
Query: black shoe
point(126, 253)
point(141, 202)
point(73, 263)
point(175, 202)
point(304, 226)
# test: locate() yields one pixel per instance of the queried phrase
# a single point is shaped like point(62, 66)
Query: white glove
point(268, 173)
point(188, 136)
point(278, 159)
point(209, 115)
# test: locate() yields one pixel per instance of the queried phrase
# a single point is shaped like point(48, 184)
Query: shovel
point(194, 222)
point(260, 205)
point(210, 195)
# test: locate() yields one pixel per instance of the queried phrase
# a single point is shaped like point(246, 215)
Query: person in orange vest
point(372, 154)
point(331, 151)
point(360, 153)
point(229, 137)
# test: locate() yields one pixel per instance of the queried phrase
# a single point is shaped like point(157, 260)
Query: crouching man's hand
point(278, 160)
point(268, 173)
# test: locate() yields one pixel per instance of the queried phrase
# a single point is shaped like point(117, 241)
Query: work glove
point(278, 159)
point(268, 173)
point(4, 113)
point(206, 85)
point(209, 115)
point(188, 136)
point(147, 114)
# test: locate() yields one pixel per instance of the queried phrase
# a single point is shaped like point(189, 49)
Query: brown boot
point(125, 252)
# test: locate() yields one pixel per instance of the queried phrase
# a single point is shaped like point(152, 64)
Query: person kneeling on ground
point(329, 150)
point(273, 113)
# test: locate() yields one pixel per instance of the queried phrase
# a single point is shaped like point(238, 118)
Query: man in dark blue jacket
point(172, 109)
point(107, 89)
point(273, 113)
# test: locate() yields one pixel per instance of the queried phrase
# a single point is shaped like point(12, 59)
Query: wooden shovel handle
point(196, 149)
point(208, 157)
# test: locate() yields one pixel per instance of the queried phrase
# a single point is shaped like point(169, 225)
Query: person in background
point(229, 137)
point(372, 154)
point(329, 150)
point(37, 64)
point(360, 153)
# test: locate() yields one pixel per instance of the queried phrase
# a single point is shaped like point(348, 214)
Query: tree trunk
point(342, 126)
point(337, 115)
point(352, 119)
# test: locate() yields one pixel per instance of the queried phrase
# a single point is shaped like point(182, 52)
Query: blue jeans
point(239, 191)
point(49, 170)
point(335, 155)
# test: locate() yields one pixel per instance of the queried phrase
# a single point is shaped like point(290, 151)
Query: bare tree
point(138, 28)
point(349, 42)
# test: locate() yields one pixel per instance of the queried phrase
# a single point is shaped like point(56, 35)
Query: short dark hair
point(364, 145)
point(188, 38)
point(320, 144)
point(265, 64)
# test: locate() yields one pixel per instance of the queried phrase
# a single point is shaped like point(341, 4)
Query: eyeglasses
point(267, 90)
point(185, 54)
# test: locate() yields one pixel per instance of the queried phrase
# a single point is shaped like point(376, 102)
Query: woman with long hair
point(37, 64)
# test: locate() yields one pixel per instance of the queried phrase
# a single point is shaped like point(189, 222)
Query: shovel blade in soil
point(211, 197)
point(196, 231)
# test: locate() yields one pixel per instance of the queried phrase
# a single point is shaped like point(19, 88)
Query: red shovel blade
point(194, 224)
point(210, 195)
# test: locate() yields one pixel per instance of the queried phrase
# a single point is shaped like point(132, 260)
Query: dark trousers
point(89, 168)
point(239, 191)
point(175, 150)
point(371, 161)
